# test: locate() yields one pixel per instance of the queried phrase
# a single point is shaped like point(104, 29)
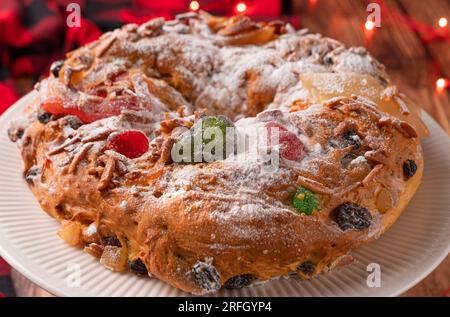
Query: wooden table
point(413, 65)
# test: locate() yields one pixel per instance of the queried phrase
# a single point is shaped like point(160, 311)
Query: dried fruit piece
point(111, 240)
point(74, 123)
point(19, 134)
point(138, 267)
point(55, 68)
point(206, 275)
point(352, 216)
point(291, 148)
point(44, 117)
point(307, 268)
point(132, 144)
point(348, 138)
point(71, 233)
point(200, 133)
point(114, 258)
point(209, 124)
point(305, 201)
point(384, 200)
point(347, 159)
point(409, 169)
point(91, 111)
point(32, 174)
point(351, 138)
point(239, 281)
point(15, 133)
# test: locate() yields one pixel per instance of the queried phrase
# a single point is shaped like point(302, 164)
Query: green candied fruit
point(197, 132)
point(220, 122)
point(210, 140)
point(305, 201)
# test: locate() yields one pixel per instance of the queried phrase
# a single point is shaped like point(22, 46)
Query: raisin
point(15, 134)
point(409, 169)
point(56, 67)
point(206, 276)
point(307, 267)
point(347, 159)
point(348, 138)
point(31, 174)
point(383, 80)
point(239, 281)
point(138, 267)
point(20, 133)
point(74, 123)
point(328, 61)
point(44, 117)
point(351, 138)
point(111, 240)
point(352, 216)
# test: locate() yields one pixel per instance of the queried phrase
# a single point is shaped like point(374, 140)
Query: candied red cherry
point(132, 144)
point(291, 148)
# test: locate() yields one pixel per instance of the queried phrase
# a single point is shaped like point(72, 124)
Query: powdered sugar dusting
point(179, 64)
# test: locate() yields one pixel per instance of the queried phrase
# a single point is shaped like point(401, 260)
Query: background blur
point(413, 42)
point(33, 33)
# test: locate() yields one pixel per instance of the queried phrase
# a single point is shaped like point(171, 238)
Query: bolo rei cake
point(113, 147)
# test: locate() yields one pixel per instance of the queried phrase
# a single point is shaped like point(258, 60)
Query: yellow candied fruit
point(384, 200)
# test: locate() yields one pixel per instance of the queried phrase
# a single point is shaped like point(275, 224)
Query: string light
point(443, 22)
point(312, 3)
point(241, 7)
point(369, 25)
point(194, 5)
point(441, 84)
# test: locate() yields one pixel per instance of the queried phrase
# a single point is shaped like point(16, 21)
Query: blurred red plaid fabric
point(6, 287)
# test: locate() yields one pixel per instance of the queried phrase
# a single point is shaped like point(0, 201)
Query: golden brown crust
point(197, 226)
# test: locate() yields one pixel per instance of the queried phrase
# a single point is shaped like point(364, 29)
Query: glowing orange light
point(194, 5)
point(443, 22)
point(441, 84)
point(241, 7)
point(369, 25)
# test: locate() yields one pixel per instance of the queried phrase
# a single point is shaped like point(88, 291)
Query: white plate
point(409, 251)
